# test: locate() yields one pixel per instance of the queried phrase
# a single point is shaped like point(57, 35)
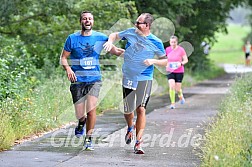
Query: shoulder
point(99, 35)
point(129, 30)
point(168, 49)
point(155, 38)
point(132, 29)
point(181, 48)
point(75, 34)
point(96, 33)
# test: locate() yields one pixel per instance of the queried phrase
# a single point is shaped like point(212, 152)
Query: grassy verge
point(229, 139)
point(228, 49)
point(34, 111)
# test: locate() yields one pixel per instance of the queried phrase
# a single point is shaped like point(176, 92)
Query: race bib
point(88, 63)
point(173, 65)
point(129, 83)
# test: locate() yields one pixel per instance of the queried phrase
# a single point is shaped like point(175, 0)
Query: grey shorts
point(133, 99)
point(80, 90)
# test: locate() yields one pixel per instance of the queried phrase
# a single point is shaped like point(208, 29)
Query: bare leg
point(129, 119)
point(178, 86)
point(140, 122)
point(80, 109)
point(91, 114)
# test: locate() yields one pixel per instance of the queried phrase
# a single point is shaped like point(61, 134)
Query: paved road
point(171, 136)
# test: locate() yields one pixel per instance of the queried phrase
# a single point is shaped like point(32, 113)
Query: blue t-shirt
point(138, 49)
point(85, 53)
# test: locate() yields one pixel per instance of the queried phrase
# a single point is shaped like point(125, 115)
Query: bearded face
point(87, 21)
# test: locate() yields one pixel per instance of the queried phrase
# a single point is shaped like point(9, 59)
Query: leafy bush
point(16, 68)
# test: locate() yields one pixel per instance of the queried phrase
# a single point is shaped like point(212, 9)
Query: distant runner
point(177, 58)
point(247, 48)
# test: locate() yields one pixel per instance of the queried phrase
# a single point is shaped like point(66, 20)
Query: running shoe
point(182, 100)
point(128, 137)
point(138, 149)
point(79, 131)
point(88, 145)
point(172, 106)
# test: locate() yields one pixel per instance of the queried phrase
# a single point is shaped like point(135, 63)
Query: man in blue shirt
point(137, 69)
point(84, 49)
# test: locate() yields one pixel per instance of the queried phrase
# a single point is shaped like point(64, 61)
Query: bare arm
point(63, 60)
point(184, 60)
point(160, 62)
point(112, 38)
point(117, 51)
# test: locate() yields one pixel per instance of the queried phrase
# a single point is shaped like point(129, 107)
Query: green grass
point(229, 139)
point(35, 111)
point(228, 49)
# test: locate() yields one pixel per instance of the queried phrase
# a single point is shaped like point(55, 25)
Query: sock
point(88, 138)
point(130, 128)
point(82, 122)
point(172, 96)
point(180, 93)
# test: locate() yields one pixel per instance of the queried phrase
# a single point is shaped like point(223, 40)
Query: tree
point(44, 25)
point(32, 34)
point(195, 21)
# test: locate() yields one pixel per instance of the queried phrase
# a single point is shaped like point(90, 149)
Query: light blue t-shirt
point(85, 53)
point(138, 49)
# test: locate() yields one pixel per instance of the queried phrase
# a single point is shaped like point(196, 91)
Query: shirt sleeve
point(67, 45)
point(160, 51)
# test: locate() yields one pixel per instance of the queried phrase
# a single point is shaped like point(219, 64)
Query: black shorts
point(178, 77)
point(81, 89)
point(137, 98)
point(247, 55)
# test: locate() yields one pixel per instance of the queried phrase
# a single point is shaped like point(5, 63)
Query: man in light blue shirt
point(137, 70)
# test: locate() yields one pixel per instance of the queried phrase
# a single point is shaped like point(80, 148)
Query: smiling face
point(86, 21)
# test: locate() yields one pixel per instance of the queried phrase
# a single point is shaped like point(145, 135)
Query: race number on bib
point(173, 65)
point(88, 63)
point(129, 83)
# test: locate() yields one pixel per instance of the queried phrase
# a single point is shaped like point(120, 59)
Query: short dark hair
point(148, 18)
point(85, 11)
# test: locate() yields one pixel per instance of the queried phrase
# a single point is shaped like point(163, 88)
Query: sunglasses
point(140, 23)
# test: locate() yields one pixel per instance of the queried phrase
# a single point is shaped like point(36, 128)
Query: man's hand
point(149, 62)
point(71, 75)
point(119, 52)
point(108, 46)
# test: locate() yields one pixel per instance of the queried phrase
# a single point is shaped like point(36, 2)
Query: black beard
point(84, 29)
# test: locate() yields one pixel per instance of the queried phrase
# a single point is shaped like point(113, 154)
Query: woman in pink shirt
point(177, 58)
